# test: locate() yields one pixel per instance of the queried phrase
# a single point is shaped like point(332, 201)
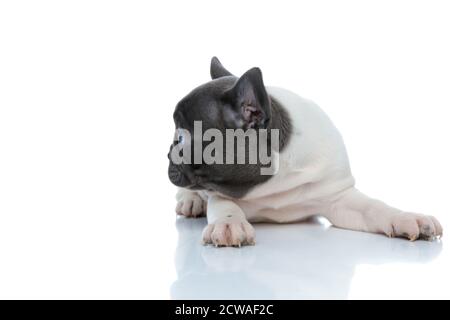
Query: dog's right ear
point(217, 70)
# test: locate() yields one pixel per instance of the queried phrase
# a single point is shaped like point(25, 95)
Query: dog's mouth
point(177, 176)
point(184, 176)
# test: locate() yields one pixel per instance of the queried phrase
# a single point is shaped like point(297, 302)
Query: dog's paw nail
point(226, 233)
point(190, 205)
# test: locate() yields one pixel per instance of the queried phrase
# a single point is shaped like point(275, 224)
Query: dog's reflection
point(308, 260)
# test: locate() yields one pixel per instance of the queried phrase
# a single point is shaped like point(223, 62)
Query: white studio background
point(87, 91)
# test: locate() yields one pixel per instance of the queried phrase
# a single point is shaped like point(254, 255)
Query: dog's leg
point(354, 210)
point(227, 224)
point(190, 204)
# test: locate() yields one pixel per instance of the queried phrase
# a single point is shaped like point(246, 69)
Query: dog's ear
point(250, 100)
point(217, 70)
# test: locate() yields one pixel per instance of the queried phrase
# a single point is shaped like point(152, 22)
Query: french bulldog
point(311, 173)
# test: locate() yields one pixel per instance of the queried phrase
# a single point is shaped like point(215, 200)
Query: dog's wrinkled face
point(226, 102)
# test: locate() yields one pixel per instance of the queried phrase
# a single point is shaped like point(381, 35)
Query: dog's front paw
point(190, 205)
point(415, 226)
point(226, 233)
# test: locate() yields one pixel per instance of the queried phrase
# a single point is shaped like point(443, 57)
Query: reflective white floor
point(86, 121)
point(307, 261)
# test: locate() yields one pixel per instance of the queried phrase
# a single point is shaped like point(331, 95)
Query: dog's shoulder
point(315, 150)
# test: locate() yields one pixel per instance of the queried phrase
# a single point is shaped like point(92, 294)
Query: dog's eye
point(182, 136)
point(179, 136)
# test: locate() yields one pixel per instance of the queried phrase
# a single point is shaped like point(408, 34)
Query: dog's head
point(225, 102)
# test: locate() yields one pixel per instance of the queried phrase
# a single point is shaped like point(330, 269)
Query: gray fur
point(210, 103)
point(217, 70)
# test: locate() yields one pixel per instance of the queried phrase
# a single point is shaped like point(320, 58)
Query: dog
point(311, 175)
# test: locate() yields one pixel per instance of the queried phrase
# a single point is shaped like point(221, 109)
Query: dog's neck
point(280, 120)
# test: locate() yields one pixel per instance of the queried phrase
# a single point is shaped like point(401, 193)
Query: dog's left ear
point(217, 70)
point(250, 100)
